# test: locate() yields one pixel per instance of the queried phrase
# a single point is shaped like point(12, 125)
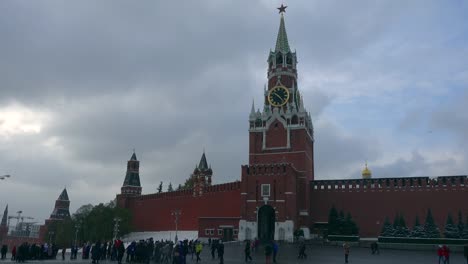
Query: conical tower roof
point(203, 165)
point(133, 156)
point(64, 195)
point(282, 43)
point(5, 216)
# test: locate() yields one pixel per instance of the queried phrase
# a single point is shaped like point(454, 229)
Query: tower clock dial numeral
point(278, 96)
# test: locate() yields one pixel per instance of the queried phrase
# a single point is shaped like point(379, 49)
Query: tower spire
point(282, 43)
point(5, 217)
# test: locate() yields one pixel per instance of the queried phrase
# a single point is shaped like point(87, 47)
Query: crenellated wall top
point(390, 183)
point(230, 186)
point(267, 169)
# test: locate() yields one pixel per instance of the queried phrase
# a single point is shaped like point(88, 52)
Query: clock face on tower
point(278, 96)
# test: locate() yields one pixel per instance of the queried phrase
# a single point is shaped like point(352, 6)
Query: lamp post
point(77, 227)
point(116, 226)
point(51, 234)
point(176, 213)
point(3, 177)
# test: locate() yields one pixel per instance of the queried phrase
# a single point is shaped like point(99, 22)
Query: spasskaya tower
point(274, 187)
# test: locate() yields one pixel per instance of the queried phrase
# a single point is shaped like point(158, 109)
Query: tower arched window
point(289, 60)
point(279, 58)
point(294, 120)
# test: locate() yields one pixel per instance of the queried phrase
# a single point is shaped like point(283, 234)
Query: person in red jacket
point(446, 252)
point(440, 253)
point(13, 253)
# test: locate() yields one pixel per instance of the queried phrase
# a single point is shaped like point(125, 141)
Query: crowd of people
point(27, 251)
point(143, 251)
point(149, 251)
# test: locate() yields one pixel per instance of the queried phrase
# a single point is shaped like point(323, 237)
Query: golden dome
point(366, 173)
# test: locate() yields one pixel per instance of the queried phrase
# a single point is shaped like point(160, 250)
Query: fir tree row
point(427, 230)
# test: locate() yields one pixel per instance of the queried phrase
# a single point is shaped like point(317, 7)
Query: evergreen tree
point(169, 188)
point(333, 221)
point(402, 230)
point(387, 229)
point(465, 230)
point(189, 183)
point(461, 225)
point(179, 187)
point(418, 229)
point(451, 230)
point(350, 228)
point(430, 228)
point(160, 187)
point(341, 222)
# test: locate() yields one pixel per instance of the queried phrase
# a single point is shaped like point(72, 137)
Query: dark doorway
point(266, 223)
point(227, 234)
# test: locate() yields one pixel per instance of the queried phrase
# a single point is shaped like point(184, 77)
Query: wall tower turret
point(131, 185)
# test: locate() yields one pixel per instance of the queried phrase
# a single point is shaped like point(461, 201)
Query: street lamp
point(51, 234)
point(4, 177)
point(176, 213)
point(77, 227)
point(116, 226)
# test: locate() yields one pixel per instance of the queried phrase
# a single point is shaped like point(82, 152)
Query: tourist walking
point(346, 251)
point(247, 248)
point(302, 249)
point(440, 254)
point(213, 248)
point(275, 250)
point(4, 251)
point(198, 250)
point(13, 253)
point(64, 249)
point(446, 252)
point(221, 252)
point(119, 250)
point(96, 252)
point(268, 253)
point(375, 248)
point(466, 253)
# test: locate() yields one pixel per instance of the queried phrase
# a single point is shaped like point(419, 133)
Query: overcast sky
point(82, 83)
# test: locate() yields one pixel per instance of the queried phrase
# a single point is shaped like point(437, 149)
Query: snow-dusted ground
point(161, 235)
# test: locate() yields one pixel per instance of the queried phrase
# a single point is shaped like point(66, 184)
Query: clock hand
point(279, 97)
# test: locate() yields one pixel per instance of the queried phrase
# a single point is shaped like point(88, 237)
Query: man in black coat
point(221, 252)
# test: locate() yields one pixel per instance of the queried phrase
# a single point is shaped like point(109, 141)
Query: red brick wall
point(283, 183)
point(216, 224)
point(153, 212)
point(276, 135)
point(369, 206)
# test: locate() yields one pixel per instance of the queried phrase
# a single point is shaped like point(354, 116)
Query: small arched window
point(289, 59)
point(279, 58)
point(294, 120)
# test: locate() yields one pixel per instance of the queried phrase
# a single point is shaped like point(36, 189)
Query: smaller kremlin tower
point(4, 224)
point(131, 185)
point(62, 207)
point(366, 173)
point(201, 176)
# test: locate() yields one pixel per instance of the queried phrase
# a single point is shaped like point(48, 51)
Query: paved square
point(316, 254)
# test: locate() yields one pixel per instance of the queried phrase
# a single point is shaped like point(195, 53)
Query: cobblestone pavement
point(315, 254)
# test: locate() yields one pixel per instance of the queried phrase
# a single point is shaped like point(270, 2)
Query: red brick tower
point(62, 207)
point(201, 176)
point(131, 186)
point(4, 224)
point(274, 190)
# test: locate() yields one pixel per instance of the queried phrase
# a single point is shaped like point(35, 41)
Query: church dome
point(366, 173)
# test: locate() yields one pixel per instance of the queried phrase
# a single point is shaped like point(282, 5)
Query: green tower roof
point(282, 43)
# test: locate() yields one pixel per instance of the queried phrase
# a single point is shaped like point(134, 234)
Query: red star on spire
point(282, 8)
